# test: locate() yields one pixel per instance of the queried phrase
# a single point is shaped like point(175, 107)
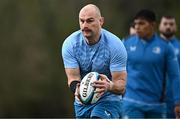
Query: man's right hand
point(77, 94)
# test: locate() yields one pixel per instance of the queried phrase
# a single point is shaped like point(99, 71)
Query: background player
point(167, 29)
point(149, 59)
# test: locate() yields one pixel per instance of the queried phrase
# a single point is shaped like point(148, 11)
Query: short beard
point(168, 35)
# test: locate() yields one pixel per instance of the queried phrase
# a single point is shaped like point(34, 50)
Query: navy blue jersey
point(147, 65)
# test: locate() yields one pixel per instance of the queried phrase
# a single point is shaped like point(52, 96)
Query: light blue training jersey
point(147, 65)
point(106, 56)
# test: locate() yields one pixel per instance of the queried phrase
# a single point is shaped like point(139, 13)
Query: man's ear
point(154, 24)
point(176, 27)
point(102, 21)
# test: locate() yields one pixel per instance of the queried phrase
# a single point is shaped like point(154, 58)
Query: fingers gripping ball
point(87, 94)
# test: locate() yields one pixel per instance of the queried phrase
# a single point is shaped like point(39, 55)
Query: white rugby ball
point(87, 94)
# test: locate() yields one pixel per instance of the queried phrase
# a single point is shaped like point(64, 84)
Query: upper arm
point(172, 63)
point(72, 74)
point(118, 58)
point(70, 62)
point(118, 62)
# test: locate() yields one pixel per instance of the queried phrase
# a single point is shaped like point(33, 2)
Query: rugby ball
point(87, 95)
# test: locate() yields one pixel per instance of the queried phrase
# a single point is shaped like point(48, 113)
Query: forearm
point(118, 83)
point(73, 76)
point(176, 88)
point(117, 86)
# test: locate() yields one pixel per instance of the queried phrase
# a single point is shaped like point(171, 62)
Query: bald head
point(90, 8)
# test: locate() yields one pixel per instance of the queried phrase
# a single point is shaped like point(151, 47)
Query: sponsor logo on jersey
point(107, 113)
point(176, 51)
point(132, 48)
point(156, 50)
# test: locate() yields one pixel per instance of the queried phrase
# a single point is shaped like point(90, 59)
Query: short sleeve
point(118, 57)
point(68, 55)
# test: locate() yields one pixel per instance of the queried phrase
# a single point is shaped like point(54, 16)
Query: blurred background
point(32, 78)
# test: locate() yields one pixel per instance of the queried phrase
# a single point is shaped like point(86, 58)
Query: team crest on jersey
point(176, 51)
point(156, 50)
point(132, 48)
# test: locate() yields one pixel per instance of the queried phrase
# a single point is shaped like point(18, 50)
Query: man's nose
point(136, 26)
point(85, 24)
point(168, 26)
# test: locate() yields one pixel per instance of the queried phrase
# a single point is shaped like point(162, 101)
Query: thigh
point(154, 114)
point(155, 111)
point(82, 111)
point(107, 109)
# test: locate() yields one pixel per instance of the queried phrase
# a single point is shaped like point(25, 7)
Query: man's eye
point(82, 21)
point(141, 23)
point(165, 24)
point(171, 24)
point(89, 21)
